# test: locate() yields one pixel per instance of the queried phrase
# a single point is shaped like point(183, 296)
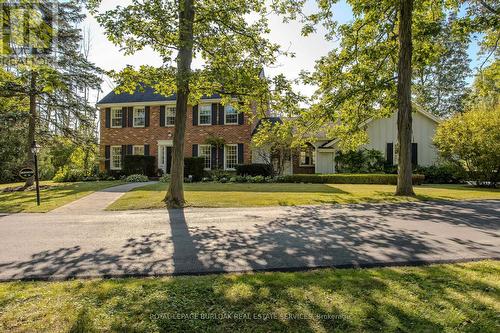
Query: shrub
point(165, 178)
point(347, 179)
point(360, 161)
point(254, 169)
point(68, 175)
point(441, 174)
point(136, 178)
point(139, 164)
point(194, 166)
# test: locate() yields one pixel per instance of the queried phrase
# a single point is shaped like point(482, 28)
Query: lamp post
point(35, 148)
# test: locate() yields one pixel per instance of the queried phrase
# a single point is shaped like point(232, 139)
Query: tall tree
point(226, 35)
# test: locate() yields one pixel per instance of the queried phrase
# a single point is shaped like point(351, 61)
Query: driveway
point(197, 240)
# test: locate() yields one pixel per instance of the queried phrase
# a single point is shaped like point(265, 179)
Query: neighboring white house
point(319, 157)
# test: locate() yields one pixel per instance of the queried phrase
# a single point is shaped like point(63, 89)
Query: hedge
point(139, 164)
point(194, 166)
point(343, 178)
point(254, 169)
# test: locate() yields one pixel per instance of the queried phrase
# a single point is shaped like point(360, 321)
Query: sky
point(307, 49)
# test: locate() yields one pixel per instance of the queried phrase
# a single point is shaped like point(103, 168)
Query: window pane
point(116, 118)
point(231, 156)
point(139, 117)
point(138, 150)
point(231, 115)
point(206, 151)
point(205, 112)
point(116, 157)
point(170, 116)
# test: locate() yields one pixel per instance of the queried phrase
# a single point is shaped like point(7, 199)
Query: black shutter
point(195, 115)
point(124, 150)
point(221, 157)
point(195, 150)
point(107, 121)
point(241, 118)
point(124, 116)
point(146, 150)
point(221, 115)
point(129, 150)
point(213, 165)
point(414, 154)
point(130, 116)
point(107, 156)
point(214, 114)
point(146, 117)
point(240, 153)
point(389, 153)
point(162, 116)
point(169, 159)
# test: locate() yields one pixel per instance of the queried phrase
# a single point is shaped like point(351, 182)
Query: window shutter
point(107, 156)
point(124, 116)
point(221, 114)
point(195, 150)
point(107, 121)
point(214, 114)
point(195, 115)
point(162, 116)
point(213, 161)
point(169, 159)
point(146, 119)
point(221, 157)
point(129, 150)
point(130, 117)
point(241, 118)
point(146, 150)
point(414, 154)
point(389, 153)
point(124, 149)
point(240, 153)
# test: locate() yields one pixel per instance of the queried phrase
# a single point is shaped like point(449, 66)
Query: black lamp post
point(35, 148)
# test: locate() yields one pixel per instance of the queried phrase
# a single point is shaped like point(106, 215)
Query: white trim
point(168, 143)
point(209, 154)
point(134, 109)
point(225, 155)
point(237, 116)
point(111, 157)
point(199, 114)
point(165, 119)
point(138, 146)
point(111, 118)
point(157, 103)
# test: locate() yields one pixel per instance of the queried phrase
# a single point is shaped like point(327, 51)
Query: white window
point(231, 115)
point(308, 156)
point(170, 115)
point(230, 157)
point(139, 116)
point(206, 152)
point(116, 158)
point(116, 118)
point(138, 150)
point(205, 114)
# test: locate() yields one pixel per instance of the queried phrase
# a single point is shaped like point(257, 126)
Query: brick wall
point(194, 134)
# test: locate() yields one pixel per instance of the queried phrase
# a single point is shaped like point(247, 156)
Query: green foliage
point(139, 164)
point(441, 174)
point(348, 179)
point(136, 178)
point(359, 161)
point(165, 178)
point(254, 169)
point(472, 141)
point(194, 166)
point(486, 87)
point(67, 174)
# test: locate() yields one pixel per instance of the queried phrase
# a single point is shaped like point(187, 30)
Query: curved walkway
point(203, 240)
point(98, 200)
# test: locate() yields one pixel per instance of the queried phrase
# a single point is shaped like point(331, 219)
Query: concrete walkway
point(98, 200)
point(158, 242)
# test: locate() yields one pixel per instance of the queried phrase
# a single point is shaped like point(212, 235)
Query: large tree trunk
point(31, 128)
point(175, 193)
point(404, 186)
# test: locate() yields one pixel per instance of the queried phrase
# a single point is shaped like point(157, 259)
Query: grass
point(241, 195)
point(437, 298)
point(53, 197)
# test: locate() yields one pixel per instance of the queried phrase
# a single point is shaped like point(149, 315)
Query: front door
point(165, 158)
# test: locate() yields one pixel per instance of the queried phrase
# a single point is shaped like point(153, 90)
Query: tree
point(219, 32)
point(486, 87)
point(472, 141)
point(50, 72)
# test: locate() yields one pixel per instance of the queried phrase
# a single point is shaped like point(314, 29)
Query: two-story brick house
point(142, 123)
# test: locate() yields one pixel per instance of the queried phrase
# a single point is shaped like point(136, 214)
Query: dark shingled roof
point(147, 94)
point(273, 121)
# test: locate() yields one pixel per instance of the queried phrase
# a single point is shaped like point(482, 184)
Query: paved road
point(215, 240)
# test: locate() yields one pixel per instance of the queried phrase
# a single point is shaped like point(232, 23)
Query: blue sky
point(307, 49)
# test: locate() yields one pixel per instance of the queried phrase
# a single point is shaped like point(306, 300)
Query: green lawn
point(240, 195)
point(438, 298)
point(60, 194)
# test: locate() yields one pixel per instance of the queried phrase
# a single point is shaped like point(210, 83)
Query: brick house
point(142, 123)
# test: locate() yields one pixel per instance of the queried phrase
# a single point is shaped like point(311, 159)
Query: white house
point(319, 156)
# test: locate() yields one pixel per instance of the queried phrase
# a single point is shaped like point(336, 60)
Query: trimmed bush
point(136, 178)
point(165, 178)
point(441, 174)
point(348, 179)
point(69, 175)
point(194, 166)
point(254, 169)
point(139, 165)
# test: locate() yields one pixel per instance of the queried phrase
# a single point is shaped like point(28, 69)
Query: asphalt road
point(196, 241)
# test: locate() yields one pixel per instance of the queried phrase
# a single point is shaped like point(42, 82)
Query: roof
point(146, 94)
point(272, 120)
